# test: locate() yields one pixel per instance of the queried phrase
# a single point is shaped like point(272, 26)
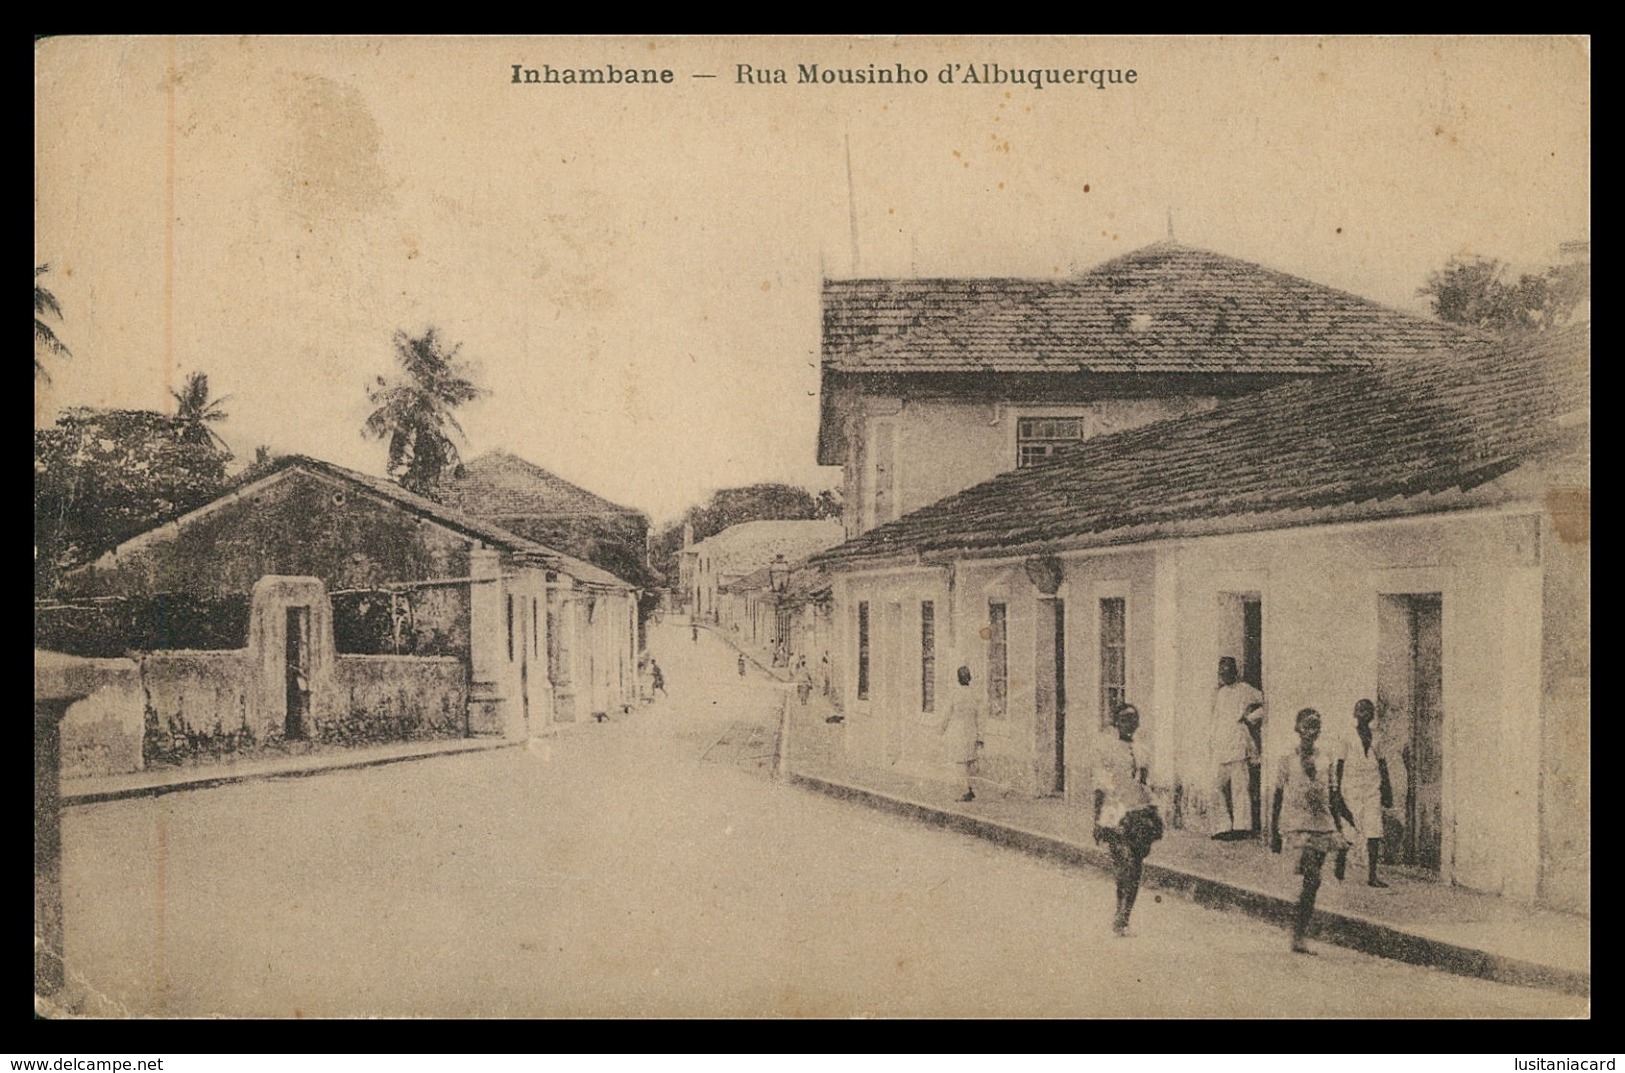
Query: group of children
point(1315, 802)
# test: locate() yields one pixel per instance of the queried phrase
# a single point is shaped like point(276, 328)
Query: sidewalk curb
point(209, 782)
point(1340, 929)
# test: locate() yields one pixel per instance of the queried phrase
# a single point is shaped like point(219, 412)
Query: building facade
point(1415, 534)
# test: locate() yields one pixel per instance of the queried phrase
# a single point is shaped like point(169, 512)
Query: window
point(1113, 656)
point(863, 650)
point(511, 599)
point(928, 656)
point(998, 662)
point(1039, 437)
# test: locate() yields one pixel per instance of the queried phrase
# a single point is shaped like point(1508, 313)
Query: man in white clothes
point(1238, 730)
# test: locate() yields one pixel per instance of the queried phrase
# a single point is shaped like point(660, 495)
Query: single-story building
point(321, 569)
point(1415, 532)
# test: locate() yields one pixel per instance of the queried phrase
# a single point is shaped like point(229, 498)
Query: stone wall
point(396, 698)
point(196, 707)
point(199, 706)
point(101, 734)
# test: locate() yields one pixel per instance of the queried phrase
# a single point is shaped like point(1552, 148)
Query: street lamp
point(778, 577)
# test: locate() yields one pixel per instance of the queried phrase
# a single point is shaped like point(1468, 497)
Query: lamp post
point(778, 578)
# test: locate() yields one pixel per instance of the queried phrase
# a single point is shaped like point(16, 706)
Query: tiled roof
point(749, 546)
point(803, 581)
point(1166, 308)
point(441, 514)
point(504, 485)
point(865, 314)
point(1366, 439)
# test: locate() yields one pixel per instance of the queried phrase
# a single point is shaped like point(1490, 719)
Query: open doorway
point(296, 721)
point(1241, 637)
point(1241, 634)
point(1410, 696)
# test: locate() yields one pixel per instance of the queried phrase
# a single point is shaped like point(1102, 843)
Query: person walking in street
point(1237, 728)
point(963, 722)
point(741, 665)
point(1302, 811)
point(1364, 788)
point(659, 679)
point(1125, 819)
point(693, 632)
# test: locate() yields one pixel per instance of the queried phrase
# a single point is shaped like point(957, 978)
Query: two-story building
point(930, 386)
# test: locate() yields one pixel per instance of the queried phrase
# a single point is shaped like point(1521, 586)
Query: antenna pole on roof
point(851, 203)
point(1170, 224)
point(914, 256)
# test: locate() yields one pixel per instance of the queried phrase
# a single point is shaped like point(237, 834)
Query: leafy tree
point(45, 302)
point(414, 412)
point(732, 506)
point(195, 412)
point(1480, 293)
point(102, 476)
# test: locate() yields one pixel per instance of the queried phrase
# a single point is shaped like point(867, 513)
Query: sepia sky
point(634, 269)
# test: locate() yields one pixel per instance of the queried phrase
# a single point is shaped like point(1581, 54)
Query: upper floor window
point(1039, 437)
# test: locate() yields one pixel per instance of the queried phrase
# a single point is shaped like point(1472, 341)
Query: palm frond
point(45, 303)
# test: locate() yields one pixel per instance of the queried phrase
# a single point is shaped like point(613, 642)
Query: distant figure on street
point(804, 682)
point(693, 632)
point(823, 672)
point(1237, 728)
point(1302, 817)
point(1364, 788)
point(741, 665)
point(1125, 819)
point(659, 679)
point(963, 719)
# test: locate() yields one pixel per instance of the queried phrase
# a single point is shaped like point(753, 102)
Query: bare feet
point(1375, 883)
point(1303, 948)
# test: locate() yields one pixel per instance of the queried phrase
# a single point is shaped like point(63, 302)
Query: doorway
point(1241, 637)
point(1049, 694)
point(1410, 695)
point(296, 721)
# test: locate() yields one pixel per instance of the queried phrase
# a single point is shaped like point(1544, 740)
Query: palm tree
point(195, 412)
point(414, 412)
point(45, 302)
